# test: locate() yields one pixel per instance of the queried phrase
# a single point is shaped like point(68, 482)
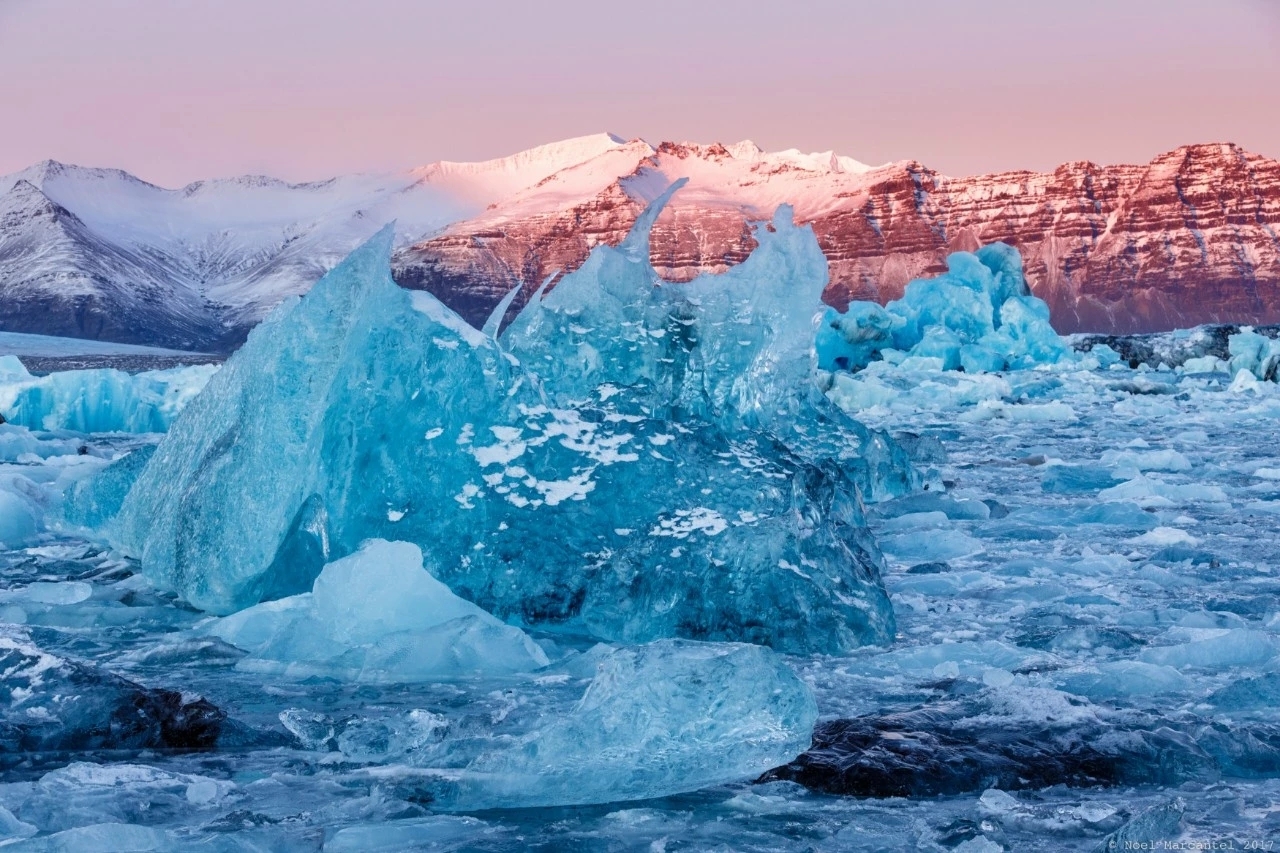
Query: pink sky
point(175, 91)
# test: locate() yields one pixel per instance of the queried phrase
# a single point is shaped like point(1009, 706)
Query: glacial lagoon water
point(1055, 623)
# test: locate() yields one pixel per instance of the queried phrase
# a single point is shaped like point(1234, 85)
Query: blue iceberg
point(1255, 353)
point(100, 400)
point(627, 462)
point(978, 316)
point(734, 350)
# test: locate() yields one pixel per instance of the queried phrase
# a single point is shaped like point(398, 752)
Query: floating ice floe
point(628, 462)
point(658, 719)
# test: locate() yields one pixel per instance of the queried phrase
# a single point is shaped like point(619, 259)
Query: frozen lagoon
point(1085, 651)
point(1102, 566)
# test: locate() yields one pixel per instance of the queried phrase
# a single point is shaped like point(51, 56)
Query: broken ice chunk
point(378, 615)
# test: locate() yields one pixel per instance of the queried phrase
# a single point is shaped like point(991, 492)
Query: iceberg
point(621, 465)
point(1255, 353)
point(734, 349)
point(978, 316)
point(101, 400)
point(378, 616)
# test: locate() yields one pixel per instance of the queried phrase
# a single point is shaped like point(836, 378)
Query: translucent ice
point(978, 316)
point(734, 349)
point(615, 496)
point(103, 400)
point(94, 501)
point(656, 720)
point(1255, 353)
point(378, 615)
point(19, 518)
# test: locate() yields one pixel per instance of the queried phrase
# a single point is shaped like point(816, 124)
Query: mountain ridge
point(1189, 237)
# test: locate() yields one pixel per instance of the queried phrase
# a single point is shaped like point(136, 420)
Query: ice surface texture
point(735, 350)
point(658, 719)
point(977, 316)
point(378, 615)
point(1255, 353)
point(94, 501)
point(103, 400)
point(662, 470)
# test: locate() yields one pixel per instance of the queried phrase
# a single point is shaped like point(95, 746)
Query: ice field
point(647, 568)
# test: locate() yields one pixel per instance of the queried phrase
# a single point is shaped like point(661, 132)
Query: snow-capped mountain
point(97, 253)
point(1190, 238)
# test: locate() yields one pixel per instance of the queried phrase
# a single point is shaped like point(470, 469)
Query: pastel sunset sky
point(176, 90)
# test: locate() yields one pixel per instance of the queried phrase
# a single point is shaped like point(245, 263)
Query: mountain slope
point(58, 278)
point(98, 253)
point(1189, 238)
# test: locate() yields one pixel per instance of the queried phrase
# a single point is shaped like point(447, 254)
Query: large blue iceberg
point(978, 316)
point(628, 462)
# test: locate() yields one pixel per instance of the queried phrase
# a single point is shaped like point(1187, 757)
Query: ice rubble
point(101, 400)
point(378, 615)
point(667, 481)
point(977, 316)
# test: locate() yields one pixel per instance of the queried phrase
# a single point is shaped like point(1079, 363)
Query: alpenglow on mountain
point(1192, 237)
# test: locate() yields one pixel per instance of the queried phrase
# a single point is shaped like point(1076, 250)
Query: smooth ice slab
point(362, 411)
point(378, 615)
point(661, 719)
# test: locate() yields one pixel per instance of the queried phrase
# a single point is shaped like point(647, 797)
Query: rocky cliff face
point(1192, 237)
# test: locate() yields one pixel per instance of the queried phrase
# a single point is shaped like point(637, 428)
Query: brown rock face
point(1192, 237)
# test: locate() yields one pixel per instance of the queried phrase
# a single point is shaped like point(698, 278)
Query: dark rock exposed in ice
point(51, 706)
point(1171, 348)
point(934, 568)
point(971, 743)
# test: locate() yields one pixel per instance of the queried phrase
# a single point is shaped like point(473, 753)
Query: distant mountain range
point(1192, 237)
